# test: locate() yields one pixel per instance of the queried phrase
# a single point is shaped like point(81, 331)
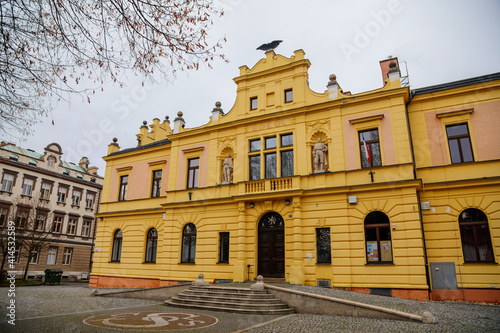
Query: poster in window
point(371, 251)
point(385, 251)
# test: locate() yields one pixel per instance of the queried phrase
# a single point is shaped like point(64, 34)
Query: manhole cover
point(152, 321)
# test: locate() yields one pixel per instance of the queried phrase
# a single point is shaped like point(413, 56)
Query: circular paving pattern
point(153, 321)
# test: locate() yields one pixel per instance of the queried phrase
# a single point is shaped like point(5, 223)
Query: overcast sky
point(440, 41)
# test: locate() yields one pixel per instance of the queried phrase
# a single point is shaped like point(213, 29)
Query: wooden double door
point(271, 261)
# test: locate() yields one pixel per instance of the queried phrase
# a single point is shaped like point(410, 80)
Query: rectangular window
point(287, 163)
point(35, 255)
point(17, 254)
point(459, 143)
point(67, 256)
point(271, 142)
point(22, 219)
point(288, 96)
point(193, 172)
point(89, 201)
point(287, 140)
point(255, 145)
point(57, 224)
point(224, 247)
point(7, 182)
point(156, 188)
point(62, 192)
point(52, 255)
point(255, 167)
point(72, 226)
point(4, 213)
point(45, 191)
point(86, 228)
point(370, 149)
point(323, 246)
point(253, 103)
point(123, 188)
point(27, 186)
point(40, 221)
point(271, 165)
point(75, 199)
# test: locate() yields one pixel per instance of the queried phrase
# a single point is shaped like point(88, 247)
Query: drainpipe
point(427, 277)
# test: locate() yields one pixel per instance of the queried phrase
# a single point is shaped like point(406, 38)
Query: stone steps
point(240, 300)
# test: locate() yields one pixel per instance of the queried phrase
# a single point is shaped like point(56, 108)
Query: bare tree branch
point(48, 47)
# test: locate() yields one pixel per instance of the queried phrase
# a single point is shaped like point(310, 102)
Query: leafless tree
point(32, 227)
point(48, 47)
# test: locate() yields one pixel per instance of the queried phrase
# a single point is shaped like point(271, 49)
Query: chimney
point(390, 69)
point(217, 111)
point(178, 122)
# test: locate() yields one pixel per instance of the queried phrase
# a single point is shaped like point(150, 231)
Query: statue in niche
point(227, 170)
point(319, 154)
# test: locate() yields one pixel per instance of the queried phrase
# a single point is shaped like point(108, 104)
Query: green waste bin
point(53, 276)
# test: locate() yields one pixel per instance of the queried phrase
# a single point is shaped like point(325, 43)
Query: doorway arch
point(271, 247)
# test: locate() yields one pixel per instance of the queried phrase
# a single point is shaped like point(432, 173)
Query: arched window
point(476, 239)
point(188, 243)
point(151, 243)
point(117, 246)
point(378, 238)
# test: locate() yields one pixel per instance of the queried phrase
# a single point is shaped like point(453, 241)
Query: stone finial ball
point(179, 114)
point(201, 276)
point(144, 122)
point(333, 77)
point(218, 104)
point(166, 117)
point(115, 140)
point(392, 64)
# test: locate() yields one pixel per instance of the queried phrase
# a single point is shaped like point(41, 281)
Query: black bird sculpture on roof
point(269, 46)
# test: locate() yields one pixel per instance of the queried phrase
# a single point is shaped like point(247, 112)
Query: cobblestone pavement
point(64, 308)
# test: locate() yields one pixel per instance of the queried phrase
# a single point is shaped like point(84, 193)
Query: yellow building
point(312, 188)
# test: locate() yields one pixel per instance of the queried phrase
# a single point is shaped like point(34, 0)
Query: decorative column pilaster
point(240, 268)
point(297, 272)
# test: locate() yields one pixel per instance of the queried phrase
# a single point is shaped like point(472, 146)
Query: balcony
point(268, 185)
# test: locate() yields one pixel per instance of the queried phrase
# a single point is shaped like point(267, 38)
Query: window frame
point(480, 222)
point(62, 189)
point(86, 227)
point(87, 200)
point(257, 157)
point(151, 246)
point(191, 250)
point(156, 183)
point(4, 187)
point(54, 255)
point(328, 251)
point(458, 139)
point(72, 225)
point(44, 192)
point(287, 98)
point(27, 189)
point(35, 256)
point(122, 189)
point(377, 215)
point(57, 224)
point(19, 222)
point(37, 225)
point(75, 199)
point(224, 247)
point(193, 173)
point(67, 253)
point(116, 249)
point(4, 214)
point(254, 100)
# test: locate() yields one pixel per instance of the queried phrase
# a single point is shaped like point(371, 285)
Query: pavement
point(70, 307)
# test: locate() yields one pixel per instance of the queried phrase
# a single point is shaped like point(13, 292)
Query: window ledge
point(113, 262)
point(324, 263)
point(62, 204)
point(89, 209)
point(149, 262)
point(480, 263)
point(380, 264)
point(186, 263)
point(222, 263)
point(26, 196)
point(6, 193)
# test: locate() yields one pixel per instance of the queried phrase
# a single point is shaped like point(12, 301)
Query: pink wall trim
point(386, 138)
point(202, 181)
point(435, 135)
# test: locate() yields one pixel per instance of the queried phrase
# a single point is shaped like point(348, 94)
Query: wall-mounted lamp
point(190, 195)
point(100, 219)
point(252, 205)
point(287, 202)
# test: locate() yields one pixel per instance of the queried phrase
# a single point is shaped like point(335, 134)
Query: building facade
point(335, 189)
point(53, 205)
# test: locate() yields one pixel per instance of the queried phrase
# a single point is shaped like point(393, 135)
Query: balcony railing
point(268, 185)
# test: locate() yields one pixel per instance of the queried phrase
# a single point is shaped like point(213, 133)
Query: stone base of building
point(100, 281)
point(414, 294)
point(468, 295)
